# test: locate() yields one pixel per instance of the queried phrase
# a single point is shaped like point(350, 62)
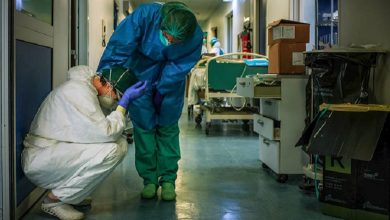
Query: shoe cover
point(168, 191)
point(62, 210)
point(149, 191)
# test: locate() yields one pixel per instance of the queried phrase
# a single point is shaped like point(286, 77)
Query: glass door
point(32, 73)
point(327, 15)
point(38, 9)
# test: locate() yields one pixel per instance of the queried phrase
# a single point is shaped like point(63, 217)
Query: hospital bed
point(196, 87)
point(221, 101)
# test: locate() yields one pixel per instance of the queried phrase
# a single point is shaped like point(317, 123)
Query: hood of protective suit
point(72, 113)
point(81, 73)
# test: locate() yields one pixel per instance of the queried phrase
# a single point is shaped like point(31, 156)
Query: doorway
point(229, 42)
point(79, 33)
point(262, 26)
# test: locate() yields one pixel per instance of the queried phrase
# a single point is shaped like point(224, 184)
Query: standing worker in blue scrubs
point(159, 43)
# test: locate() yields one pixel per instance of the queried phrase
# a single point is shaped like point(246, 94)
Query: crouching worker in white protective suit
point(72, 146)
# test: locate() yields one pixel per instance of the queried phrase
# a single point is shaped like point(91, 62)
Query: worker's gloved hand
point(132, 93)
point(157, 101)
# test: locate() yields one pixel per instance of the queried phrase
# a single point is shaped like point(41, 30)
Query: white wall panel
point(218, 19)
point(277, 9)
point(367, 22)
point(61, 50)
point(98, 11)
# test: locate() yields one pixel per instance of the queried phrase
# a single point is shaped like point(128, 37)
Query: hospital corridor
point(194, 109)
point(219, 179)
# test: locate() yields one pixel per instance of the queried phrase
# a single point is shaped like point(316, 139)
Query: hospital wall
point(366, 22)
point(61, 41)
point(203, 25)
point(277, 9)
point(241, 10)
point(218, 19)
point(308, 14)
point(98, 11)
point(82, 33)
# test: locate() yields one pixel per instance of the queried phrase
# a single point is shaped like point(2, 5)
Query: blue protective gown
point(136, 44)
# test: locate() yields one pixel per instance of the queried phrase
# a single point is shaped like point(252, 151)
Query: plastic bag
point(339, 78)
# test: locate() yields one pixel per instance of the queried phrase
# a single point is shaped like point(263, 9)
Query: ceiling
point(202, 8)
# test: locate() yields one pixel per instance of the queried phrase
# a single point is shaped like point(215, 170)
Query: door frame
point(7, 200)
point(262, 33)
point(229, 28)
point(74, 10)
point(78, 32)
point(30, 30)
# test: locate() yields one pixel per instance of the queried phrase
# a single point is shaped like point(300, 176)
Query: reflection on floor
point(220, 177)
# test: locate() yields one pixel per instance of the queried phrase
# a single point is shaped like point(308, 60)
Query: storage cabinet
point(270, 108)
point(247, 87)
point(280, 124)
point(266, 127)
point(270, 153)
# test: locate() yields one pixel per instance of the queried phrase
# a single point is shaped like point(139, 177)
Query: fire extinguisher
point(246, 43)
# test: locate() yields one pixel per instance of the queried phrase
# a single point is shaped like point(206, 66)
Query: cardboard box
point(286, 31)
point(340, 182)
point(344, 134)
point(357, 184)
point(363, 137)
point(351, 214)
point(286, 58)
point(373, 179)
point(373, 196)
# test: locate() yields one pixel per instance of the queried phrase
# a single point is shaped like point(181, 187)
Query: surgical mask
point(164, 40)
point(106, 101)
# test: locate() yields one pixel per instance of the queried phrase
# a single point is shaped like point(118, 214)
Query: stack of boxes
point(355, 189)
point(340, 182)
point(287, 42)
point(373, 185)
point(361, 194)
point(354, 144)
point(356, 182)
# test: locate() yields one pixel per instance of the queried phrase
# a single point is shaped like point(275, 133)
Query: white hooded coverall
point(72, 146)
point(217, 49)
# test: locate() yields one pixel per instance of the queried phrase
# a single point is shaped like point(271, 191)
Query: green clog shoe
point(149, 191)
point(168, 191)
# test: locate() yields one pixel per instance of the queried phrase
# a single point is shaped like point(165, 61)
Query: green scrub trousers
point(157, 153)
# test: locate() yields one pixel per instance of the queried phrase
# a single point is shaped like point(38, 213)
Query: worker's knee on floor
point(122, 146)
point(118, 150)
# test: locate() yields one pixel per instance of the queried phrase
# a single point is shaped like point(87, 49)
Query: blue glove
point(132, 93)
point(157, 100)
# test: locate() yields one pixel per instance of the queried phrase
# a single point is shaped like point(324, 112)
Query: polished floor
point(220, 177)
